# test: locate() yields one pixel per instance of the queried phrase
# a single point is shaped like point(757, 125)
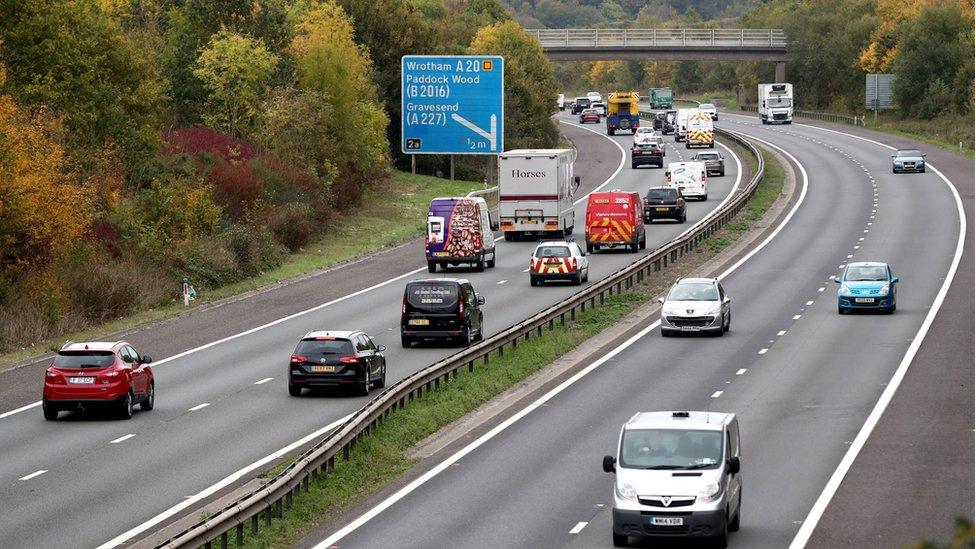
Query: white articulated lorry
point(535, 193)
point(776, 103)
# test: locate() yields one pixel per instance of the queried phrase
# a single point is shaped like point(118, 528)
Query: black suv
point(647, 153)
point(441, 308)
point(580, 104)
point(337, 359)
point(664, 203)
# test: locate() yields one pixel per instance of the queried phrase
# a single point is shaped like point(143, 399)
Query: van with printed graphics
point(459, 232)
point(615, 218)
point(689, 178)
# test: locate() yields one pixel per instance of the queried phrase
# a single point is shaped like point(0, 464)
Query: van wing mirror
point(894, 280)
point(380, 348)
point(734, 465)
point(480, 299)
point(609, 464)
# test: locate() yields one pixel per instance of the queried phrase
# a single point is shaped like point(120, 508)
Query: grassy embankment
point(381, 456)
point(390, 214)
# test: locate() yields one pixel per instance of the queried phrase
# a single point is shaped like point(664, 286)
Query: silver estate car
point(714, 162)
point(677, 475)
point(696, 305)
point(908, 160)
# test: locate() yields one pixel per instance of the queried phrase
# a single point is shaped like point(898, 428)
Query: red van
point(615, 218)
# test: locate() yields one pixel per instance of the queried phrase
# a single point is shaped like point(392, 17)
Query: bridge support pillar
point(780, 72)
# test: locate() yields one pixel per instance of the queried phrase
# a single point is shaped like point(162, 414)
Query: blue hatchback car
point(867, 285)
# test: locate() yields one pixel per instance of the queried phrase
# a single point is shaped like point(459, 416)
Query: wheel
point(684, 217)
point(734, 525)
point(635, 246)
point(621, 540)
point(711, 145)
point(150, 401)
point(728, 323)
point(577, 279)
point(687, 145)
point(841, 310)
point(589, 248)
point(50, 412)
point(294, 390)
point(405, 341)
point(722, 540)
point(569, 230)
point(481, 335)
point(509, 237)
point(491, 262)
point(633, 165)
point(381, 382)
point(586, 277)
point(922, 170)
point(468, 338)
point(665, 333)
point(643, 241)
point(431, 267)
point(126, 406)
point(722, 173)
point(533, 282)
point(609, 132)
point(480, 266)
point(704, 198)
point(363, 388)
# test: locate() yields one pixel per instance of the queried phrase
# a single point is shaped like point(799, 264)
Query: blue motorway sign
point(452, 104)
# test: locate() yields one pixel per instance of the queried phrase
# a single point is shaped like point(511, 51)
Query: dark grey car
point(908, 160)
point(714, 162)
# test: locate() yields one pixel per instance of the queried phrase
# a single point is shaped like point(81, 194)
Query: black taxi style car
point(441, 308)
point(333, 358)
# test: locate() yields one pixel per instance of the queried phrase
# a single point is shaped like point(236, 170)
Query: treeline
point(926, 44)
point(144, 140)
point(562, 14)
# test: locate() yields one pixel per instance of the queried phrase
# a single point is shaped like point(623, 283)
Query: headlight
point(627, 491)
point(844, 290)
point(709, 493)
point(714, 310)
point(884, 289)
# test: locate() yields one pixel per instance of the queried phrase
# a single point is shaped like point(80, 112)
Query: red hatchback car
point(589, 115)
point(86, 374)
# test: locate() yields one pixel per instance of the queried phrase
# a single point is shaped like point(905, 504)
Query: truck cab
point(776, 103)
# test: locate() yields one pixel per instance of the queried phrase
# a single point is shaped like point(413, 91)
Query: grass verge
point(381, 456)
point(946, 132)
point(392, 213)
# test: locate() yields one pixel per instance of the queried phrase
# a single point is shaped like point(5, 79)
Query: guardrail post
point(741, 38)
point(330, 465)
point(240, 535)
point(279, 509)
point(583, 307)
point(682, 37)
point(208, 545)
point(572, 313)
point(345, 451)
point(713, 37)
point(305, 483)
point(653, 37)
point(254, 525)
point(501, 351)
point(471, 366)
point(486, 359)
point(552, 324)
point(288, 499)
point(268, 514)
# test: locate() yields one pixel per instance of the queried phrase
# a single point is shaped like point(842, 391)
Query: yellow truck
point(622, 113)
point(701, 132)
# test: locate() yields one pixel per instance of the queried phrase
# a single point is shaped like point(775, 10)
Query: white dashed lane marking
point(263, 381)
point(34, 474)
point(578, 528)
point(198, 407)
point(122, 438)
point(742, 371)
point(716, 394)
point(763, 351)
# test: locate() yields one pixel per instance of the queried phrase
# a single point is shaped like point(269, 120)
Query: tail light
point(461, 305)
point(53, 375)
point(113, 373)
point(647, 202)
point(298, 359)
point(574, 263)
point(681, 201)
point(668, 175)
point(349, 359)
point(403, 307)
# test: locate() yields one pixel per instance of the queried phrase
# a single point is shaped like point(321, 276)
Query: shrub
point(254, 249)
point(291, 225)
point(207, 263)
point(200, 139)
point(236, 186)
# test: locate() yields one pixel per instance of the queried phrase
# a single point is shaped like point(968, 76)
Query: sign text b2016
point(452, 104)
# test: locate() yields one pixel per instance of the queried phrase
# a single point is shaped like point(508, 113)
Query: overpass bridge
point(669, 44)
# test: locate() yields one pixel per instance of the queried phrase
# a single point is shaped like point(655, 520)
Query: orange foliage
point(881, 52)
point(40, 206)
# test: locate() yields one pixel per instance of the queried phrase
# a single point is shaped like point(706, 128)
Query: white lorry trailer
point(776, 103)
point(681, 124)
point(535, 193)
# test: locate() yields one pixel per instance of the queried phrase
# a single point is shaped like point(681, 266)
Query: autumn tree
point(530, 88)
point(235, 71)
point(330, 64)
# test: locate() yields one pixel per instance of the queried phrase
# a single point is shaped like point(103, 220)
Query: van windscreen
point(432, 295)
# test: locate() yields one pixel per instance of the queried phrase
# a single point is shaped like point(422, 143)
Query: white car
point(709, 108)
point(689, 177)
point(696, 305)
point(558, 260)
point(644, 135)
point(561, 102)
point(599, 107)
point(595, 97)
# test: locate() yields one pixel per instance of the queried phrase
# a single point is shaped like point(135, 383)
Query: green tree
point(329, 63)
point(72, 57)
point(235, 71)
point(530, 88)
point(932, 51)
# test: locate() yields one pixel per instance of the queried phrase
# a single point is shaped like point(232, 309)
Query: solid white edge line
point(578, 528)
point(21, 409)
point(227, 481)
point(121, 438)
point(813, 518)
point(406, 490)
point(234, 476)
point(34, 474)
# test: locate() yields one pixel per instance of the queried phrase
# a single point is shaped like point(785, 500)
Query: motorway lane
point(99, 489)
point(922, 449)
point(800, 402)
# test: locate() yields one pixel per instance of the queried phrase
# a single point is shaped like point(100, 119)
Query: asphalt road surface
point(223, 406)
point(801, 378)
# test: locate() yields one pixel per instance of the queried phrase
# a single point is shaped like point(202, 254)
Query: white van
point(689, 177)
point(677, 474)
point(681, 124)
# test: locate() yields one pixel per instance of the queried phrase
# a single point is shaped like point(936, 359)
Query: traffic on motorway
point(460, 235)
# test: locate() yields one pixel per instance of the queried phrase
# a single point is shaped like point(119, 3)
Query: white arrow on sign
point(491, 136)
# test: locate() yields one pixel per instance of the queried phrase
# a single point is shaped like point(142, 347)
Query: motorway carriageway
point(801, 378)
point(224, 407)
